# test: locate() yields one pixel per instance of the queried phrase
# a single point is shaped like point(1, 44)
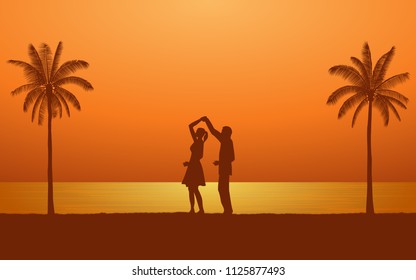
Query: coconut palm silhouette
point(45, 91)
point(369, 87)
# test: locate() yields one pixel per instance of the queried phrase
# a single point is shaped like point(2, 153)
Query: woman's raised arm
point(191, 128)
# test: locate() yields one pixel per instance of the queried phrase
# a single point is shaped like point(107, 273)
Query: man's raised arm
point(211, 128)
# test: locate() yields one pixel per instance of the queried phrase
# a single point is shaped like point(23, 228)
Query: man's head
point(226, 131)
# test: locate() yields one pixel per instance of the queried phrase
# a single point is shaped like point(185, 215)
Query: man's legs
point(224, 190)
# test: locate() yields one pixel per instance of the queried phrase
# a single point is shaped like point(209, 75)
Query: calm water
point(247, 197)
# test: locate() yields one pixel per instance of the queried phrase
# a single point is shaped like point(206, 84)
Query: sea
point(172, 197)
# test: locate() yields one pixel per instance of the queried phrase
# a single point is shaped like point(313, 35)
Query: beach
point(211, 236)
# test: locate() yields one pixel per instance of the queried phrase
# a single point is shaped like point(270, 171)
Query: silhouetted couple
point(194, 176)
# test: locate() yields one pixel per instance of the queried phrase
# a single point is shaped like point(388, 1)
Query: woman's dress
point(194, 175)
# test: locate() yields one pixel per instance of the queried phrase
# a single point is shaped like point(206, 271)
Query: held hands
point(202, 119)
point(216, 162)
point(186, 163)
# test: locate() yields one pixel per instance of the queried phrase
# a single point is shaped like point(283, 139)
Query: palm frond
point(63, 102)
point(380, 104)
point(366, 55)
point(30, 72)
point(358, 110)
point(26, 87)
point(56, 106)
point(36, 106)
point(69, 67)
point(342, 91)
point(393, 81)
point(379, 65)
point(382, 65)
point(392, 93)
point(349, 73)
point(394, 100)
point(43, 110)
point(76, 81)
point(56, 59)
point(68, 96)
point(362, 69)
point(46, 57)
point(391, 106)
point(31, 97)
point(37, 61)
point(350, 103)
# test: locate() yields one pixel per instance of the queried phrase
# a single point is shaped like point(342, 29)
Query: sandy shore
point(210, 236)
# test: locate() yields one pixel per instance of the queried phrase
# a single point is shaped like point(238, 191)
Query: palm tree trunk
point(51, 208)
point(370, 205)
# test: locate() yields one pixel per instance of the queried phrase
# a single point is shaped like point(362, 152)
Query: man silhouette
point(224, 163)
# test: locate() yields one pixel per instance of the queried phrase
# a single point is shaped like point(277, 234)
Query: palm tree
point(45, 91)
point(369, 87)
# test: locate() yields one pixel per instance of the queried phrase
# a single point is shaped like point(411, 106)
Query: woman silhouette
point(194, 176)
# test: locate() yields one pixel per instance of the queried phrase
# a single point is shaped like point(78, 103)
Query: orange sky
point(260, 67)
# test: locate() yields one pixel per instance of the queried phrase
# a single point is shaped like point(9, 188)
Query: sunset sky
point(260, 67)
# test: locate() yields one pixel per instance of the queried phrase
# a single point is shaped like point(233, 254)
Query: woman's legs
point(191, 199)
point(199, 200)
point(194, 193)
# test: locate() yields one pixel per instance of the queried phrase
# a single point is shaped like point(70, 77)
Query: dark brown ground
point(211, 236)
